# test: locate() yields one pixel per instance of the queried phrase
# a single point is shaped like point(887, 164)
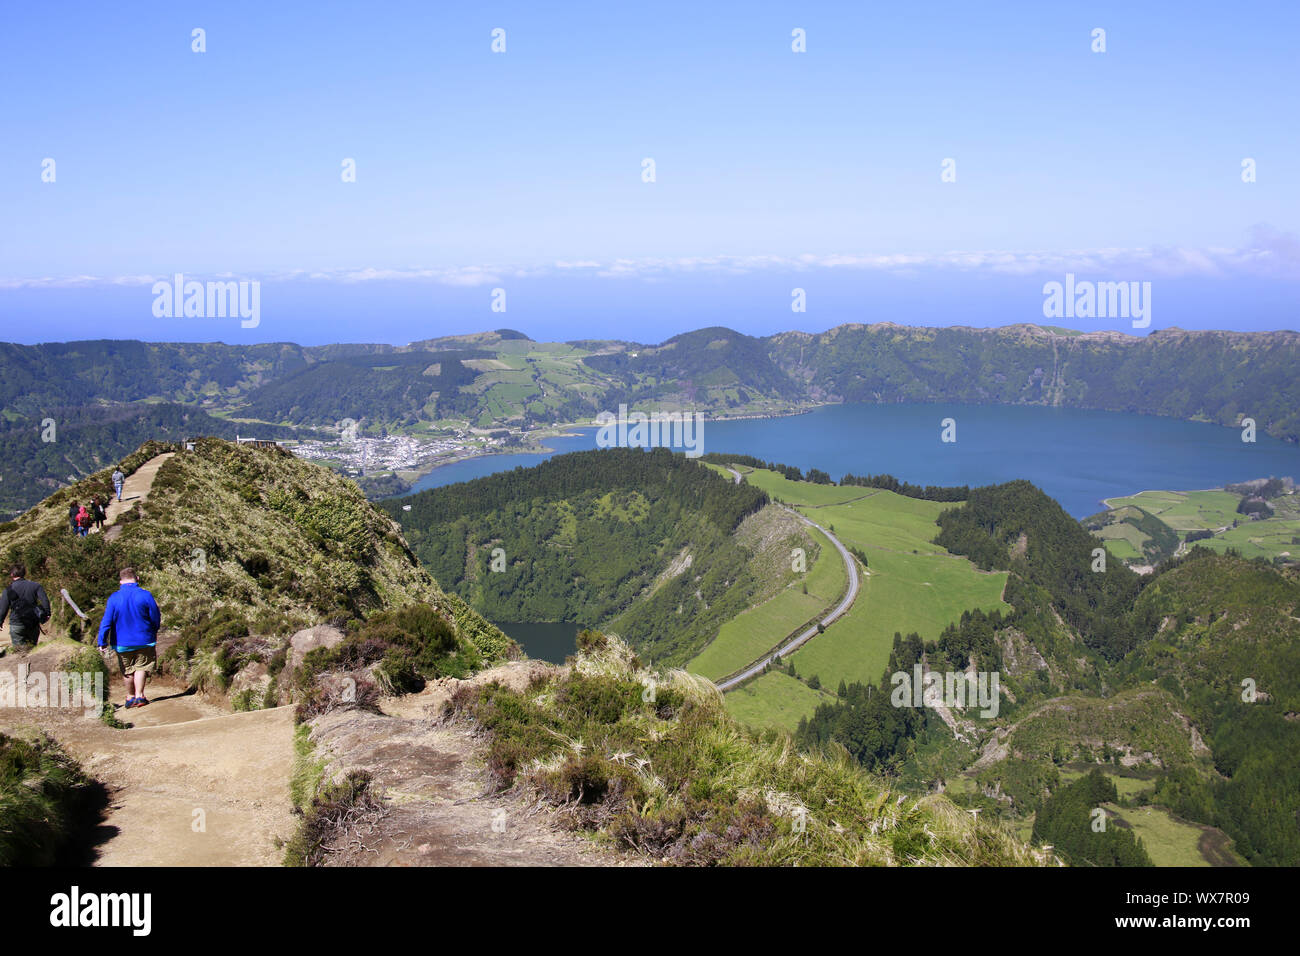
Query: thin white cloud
point(1268, 253)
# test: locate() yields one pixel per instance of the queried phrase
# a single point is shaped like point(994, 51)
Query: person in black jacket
point(25, 604)
point(72, 515)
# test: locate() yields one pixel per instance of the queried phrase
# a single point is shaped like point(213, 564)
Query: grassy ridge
point(671, 776)
point(1141, 724)
point(241, 547)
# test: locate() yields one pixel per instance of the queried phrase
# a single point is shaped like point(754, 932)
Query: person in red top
point(84, 521)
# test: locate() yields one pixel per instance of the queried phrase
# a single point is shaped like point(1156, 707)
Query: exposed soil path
point(134, 491)
point(189, 783)
point(442, 807)
point(212, 791)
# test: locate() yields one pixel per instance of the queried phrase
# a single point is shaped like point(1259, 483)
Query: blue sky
point(523, 170)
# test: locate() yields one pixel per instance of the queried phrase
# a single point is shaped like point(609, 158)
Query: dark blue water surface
point(544, 641)
point(491, 464)
point(1078, 457)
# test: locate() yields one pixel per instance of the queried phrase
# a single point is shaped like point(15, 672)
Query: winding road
point(851, 568)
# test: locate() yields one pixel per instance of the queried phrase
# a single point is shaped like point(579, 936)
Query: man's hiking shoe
point(141, 701)
point(133, 702)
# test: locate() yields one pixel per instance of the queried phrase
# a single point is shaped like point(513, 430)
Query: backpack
point(84, 519)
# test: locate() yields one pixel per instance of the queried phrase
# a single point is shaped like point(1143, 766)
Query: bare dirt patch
point(188, 784)
point(439, 808)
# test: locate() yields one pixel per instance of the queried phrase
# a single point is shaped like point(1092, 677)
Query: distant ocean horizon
point(1079, 457)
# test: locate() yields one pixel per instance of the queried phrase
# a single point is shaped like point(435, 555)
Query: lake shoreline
point(1083, 458)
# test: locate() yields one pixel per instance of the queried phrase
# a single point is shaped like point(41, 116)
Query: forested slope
point(583, 536)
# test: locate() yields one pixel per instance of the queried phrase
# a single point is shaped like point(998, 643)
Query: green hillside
point(654, 764)
point(504, 380)
point(242, 547)
point(713, 368)
point(403, 388)
point(1212, 376)
point(650, 543)
point(754, 632)
point(1098, 668)
point(85, 439)
point(1154, 525)
point(1204, 690)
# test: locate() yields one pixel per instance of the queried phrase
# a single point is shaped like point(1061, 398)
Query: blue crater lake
point(544, 640)
point(472, 468)
point(1078, 457)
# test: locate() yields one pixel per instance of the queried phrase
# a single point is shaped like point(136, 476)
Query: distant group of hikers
point(82, 517)
point(131, 621)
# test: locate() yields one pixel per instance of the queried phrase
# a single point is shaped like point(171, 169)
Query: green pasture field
point(1123, 540)
point(1186, 510)
point(903, 593)
point(911, 584)
point(750, 635)
point(1170, 841)
point(775, 700)
point(1259, 539)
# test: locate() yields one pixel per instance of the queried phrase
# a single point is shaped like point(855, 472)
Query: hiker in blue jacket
point(131, 618)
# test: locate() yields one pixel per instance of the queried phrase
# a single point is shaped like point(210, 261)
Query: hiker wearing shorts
point(118, 478)
point(131, 619)
point(25, 604)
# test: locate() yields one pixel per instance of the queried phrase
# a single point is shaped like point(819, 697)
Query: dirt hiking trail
point(189, 784)
point(192, 784)
point(443, 810)
point(134, 491)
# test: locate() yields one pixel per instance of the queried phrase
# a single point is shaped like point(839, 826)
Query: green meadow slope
point(910, 585)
